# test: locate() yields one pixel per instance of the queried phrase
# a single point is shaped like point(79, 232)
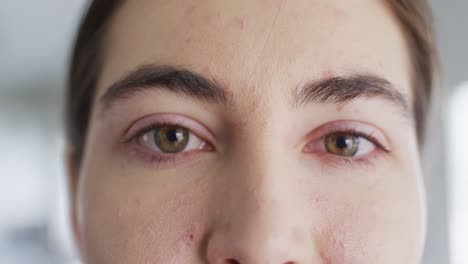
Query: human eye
point(168, 139)
point(347, 141)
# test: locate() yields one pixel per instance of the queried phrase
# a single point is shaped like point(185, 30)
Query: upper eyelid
point(152, 127)
point(355, 126)
point(202, 132)
point(318, 147)
point(369, 138)
point(194, 126)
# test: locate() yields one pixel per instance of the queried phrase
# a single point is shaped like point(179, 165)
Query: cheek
point(171, 234)
point(142, 222)
point(347, 234)
point(381, 225)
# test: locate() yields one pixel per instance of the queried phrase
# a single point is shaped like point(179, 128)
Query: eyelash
point(152, 127)
point(334, 160)
point(357, 133)
point(161, 159)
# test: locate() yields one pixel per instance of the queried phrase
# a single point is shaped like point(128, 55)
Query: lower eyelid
point(170, 119)
point(334, 161)
point(359, 128)
point(318, 149)
point(153, 146)
point(161, 160)
point(319, 145)
point(154, 154)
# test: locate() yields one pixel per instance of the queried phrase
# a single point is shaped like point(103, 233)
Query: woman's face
point(261, 131)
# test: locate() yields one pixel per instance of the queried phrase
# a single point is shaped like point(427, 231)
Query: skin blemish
point(239, 22)
point(138, 201)
point(339, 107)
point(228, 91)
point(207, 19)
point(339, 14)
point(206, 69)
point(327, 74)
point(380, 65)
point(187, 239)
point(190, 10)
point(319, 199)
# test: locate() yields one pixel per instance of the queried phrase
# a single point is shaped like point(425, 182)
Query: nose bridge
point(262, 216)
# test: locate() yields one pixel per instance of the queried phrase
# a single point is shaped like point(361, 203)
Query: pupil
point(172, 135)
point(342, 142)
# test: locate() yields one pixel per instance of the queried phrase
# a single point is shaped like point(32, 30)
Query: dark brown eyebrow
point(334, 90)
point(169, 78)
point(343, 89)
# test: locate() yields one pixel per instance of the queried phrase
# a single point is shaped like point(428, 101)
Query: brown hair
point(414, 17)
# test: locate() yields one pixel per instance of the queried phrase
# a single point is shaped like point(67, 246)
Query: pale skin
point(257, 186)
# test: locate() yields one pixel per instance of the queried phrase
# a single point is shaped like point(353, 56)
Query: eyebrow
point(169, 78)
point(343, 89)
point(334, 90)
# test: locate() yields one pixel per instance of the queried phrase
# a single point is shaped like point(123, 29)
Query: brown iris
point(170, 138)
point(342, 144)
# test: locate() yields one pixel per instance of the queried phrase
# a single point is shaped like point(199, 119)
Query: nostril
point(232, 261)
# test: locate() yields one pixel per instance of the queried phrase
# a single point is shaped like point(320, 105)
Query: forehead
point(257, 46)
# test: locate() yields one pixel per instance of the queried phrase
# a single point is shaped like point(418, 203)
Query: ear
point(73, 179)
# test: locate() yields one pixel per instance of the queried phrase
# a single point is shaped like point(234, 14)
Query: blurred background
point(35, 41)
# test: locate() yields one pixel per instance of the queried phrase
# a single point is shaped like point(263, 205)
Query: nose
point(261, 218)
